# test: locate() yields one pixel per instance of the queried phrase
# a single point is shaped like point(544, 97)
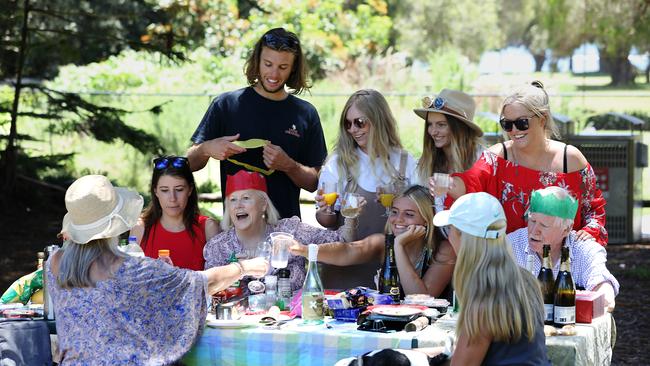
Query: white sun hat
point(97, 210)
point(473, 214)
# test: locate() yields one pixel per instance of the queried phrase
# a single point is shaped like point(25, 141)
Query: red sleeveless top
point(184, 251)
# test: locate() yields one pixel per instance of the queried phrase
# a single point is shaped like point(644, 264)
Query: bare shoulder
point(138, 230)
point(497, 149)
point(212, 228)
point(575, 159)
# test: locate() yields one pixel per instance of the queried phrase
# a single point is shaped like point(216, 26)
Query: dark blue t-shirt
point(292, 123)
point(522, 352)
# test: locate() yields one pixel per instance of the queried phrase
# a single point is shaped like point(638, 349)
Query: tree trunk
point(621, 71)
point(647, 73)
point(539, 61)
point(8, 163)
point(603, 64)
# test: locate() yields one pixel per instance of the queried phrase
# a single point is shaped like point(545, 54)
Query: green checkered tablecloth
point(294, 344)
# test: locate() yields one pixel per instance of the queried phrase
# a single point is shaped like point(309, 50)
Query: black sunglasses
point(164, 162)
point(359, 122)
point(521, 123)
point(279, 42)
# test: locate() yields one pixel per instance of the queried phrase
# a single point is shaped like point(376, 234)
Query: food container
point(589, 305)
point(347, 315)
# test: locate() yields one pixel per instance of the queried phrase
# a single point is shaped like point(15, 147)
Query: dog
point(393, 357)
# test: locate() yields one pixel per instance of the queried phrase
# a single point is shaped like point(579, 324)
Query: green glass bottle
point(547, 284)
point(312, 291)
point(564, 310)
point(389, 276)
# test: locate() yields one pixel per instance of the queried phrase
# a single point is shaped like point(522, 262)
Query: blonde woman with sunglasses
point(367, 155)
point(173, 220)
point(531, 160)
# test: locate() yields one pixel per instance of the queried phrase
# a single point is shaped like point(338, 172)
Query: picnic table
point(298, 344)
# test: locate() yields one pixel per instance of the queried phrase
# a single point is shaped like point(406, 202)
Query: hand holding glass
point(440, 183)
point(280, 249)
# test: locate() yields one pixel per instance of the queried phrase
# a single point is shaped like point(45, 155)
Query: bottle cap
point(163, 252)
point(313, 252)
point(40, 255)
point(132, 238)
point(284, 273)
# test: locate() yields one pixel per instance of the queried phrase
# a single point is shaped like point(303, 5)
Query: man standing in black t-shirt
point(265, 110)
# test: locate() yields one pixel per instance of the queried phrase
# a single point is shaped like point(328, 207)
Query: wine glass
point(329, 195)
point(386, 194)
point(280, 242)
point(351, 205)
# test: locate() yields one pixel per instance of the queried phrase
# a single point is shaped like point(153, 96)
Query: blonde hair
point(382, 136)
point(271, 214)
point(496, 297)
point(463, 142)
point(533, 97)
point(74, 268)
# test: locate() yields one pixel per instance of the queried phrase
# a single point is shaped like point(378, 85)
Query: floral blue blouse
point(149, 313)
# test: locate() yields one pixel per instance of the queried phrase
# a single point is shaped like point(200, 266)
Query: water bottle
point(133, 248)
point(48, 304)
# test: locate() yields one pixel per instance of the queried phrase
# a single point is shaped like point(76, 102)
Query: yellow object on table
point(23, 288)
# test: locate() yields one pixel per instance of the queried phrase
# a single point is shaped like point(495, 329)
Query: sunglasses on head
point(279, 42)
point(360, 122)
point(521, 123)
point(164, 162)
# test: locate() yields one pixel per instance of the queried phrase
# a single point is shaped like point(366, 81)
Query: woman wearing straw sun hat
point(116, 309)
point(452, 141)
point(490, 288)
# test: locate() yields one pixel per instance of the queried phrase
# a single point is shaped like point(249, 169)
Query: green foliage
point(433, 25)
point(450, 69)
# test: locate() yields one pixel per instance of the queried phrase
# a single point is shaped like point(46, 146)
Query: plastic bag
point(23, 288)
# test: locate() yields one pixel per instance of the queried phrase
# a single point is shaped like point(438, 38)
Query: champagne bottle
point(564, 310)
point(547, 284)
point(389, 276)
point(312, 291)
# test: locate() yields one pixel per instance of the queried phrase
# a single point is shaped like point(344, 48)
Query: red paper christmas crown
point(244, 179)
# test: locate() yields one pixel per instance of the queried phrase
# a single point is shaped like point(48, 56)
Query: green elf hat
point(547, 203)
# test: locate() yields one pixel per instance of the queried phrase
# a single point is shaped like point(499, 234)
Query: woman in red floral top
point(531, 160)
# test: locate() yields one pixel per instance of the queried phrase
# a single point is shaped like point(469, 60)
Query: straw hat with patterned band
point(454, 103)
point(97, 210)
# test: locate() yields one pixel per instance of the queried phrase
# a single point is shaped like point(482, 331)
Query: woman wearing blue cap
point(501, 319)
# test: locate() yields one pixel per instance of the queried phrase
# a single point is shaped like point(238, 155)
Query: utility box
point(617, 161)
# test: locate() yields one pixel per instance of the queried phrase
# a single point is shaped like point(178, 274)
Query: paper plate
point(213, 322)
point(396, 310)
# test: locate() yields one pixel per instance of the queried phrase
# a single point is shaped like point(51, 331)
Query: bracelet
point(241, 269)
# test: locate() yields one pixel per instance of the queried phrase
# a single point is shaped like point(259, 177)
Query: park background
point(103, 87)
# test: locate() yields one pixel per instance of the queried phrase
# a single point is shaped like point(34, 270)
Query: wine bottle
point(389, 276)
point(564, 310)
point(547, 284)
point(312, 291)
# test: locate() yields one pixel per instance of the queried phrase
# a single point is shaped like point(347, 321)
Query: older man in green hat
point(550, 220)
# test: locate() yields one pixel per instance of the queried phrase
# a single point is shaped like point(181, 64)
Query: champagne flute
point(351, 205)
point(386, 194)
point(329, 195)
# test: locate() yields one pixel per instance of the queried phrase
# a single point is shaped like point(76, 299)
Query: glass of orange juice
point(329, 195)
point(386, 194)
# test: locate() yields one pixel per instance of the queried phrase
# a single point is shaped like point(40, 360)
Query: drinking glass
point(441, 183)
point(386, 194)
point(280, 242)
point(329, 195)
point(351, 205)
